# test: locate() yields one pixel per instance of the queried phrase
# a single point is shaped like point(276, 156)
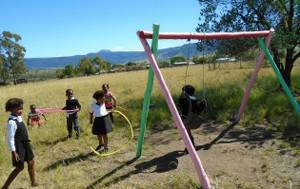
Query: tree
point(249, 15)
point(4, 72)
point(60, 73)
point(101, 64)
point(177, 59)
point(164, 64)
point(89, 66)
point(12, 56)
point(69, 71)
point(200, 60)
point(85, 66)
point(130, 64)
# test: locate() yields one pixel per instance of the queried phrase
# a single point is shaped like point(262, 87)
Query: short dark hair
point(13, 103)
point(98, 94)
point(189, 89)
point(69, 91)
point(32, 106)
point(105, 85)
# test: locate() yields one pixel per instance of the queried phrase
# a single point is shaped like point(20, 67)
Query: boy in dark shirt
point(73, 106)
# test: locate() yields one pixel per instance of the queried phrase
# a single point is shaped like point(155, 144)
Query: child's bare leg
point(191, 136)
point(105, 140)
point(31, 172)
point(12, 176)
point(100, 140)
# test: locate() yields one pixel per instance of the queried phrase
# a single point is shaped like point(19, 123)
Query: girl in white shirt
point(18, 142)
point(101, 122)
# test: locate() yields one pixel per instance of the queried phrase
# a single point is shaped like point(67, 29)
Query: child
point(18, 142)
point(186, 99)
point(72, 119)
point(110, 100)
point(101, 124)
point(34, 117)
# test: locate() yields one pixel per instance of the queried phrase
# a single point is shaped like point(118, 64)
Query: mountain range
point(114, 57)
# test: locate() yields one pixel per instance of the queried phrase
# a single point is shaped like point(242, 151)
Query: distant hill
point(114, 57)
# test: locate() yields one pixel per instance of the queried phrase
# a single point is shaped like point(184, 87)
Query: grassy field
point(65, 163)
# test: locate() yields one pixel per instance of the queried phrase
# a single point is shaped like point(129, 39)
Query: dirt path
point(244, 158)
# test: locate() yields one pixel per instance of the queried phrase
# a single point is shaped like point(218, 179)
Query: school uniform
point(72, 118)
point(102, 123)
point(18, 139)
point(184, 105)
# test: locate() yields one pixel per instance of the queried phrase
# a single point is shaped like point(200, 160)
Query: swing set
point(154, 70)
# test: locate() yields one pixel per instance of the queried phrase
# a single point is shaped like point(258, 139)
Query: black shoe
point(105, 149)
point(99, 147)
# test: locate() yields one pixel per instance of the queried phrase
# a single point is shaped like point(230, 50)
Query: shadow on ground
point(252, 137)
point(68, 161)
point(160, 164)
point(53, 143)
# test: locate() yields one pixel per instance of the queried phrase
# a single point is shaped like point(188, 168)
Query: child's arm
point(16, 156)
point(44, 117)
point(28, 120)
point(114, 101)
point(91, 113)
point(78, 105)
point(65, 107)
point(91, 118)
point(10, 133)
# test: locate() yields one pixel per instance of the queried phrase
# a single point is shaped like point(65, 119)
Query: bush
point(200, 60)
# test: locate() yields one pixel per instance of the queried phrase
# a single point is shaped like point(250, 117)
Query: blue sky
point(69, 27)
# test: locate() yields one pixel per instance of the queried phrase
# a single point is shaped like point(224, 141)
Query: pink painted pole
point(253, 78)
point(192, 152)
point(54, 110)
point(207, 36)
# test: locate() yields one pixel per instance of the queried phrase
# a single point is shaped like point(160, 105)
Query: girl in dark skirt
point(102, 123)
point(18, 142)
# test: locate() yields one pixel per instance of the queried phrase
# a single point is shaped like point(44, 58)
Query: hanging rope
point(203, 83)
point(188, 61)
point(204, 101)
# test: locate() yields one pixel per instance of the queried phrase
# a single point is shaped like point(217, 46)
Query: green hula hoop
point(124, 145)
